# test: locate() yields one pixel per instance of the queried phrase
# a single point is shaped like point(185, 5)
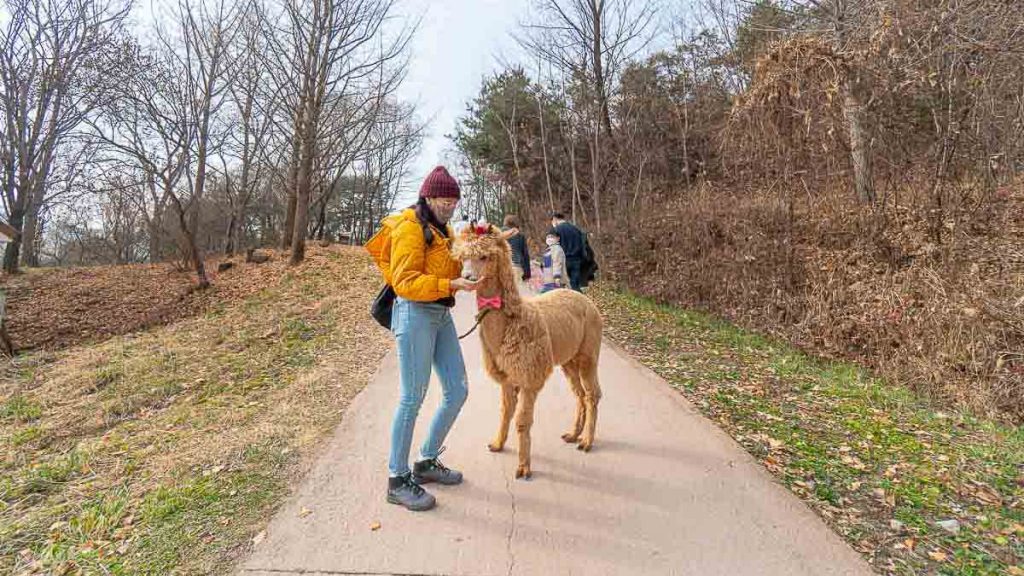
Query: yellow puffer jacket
point(415, 271)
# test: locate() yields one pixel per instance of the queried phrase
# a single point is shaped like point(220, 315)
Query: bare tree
point(340, 49)
point(200, 55)
point(589, 42)
point(147, 130)
point(847, 20)
point(52, 63)
point(256, 108)
point(382, 168)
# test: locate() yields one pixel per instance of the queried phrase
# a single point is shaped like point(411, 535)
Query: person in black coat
point(574, 244)
point(520, 252)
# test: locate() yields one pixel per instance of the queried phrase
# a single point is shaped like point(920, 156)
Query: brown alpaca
point(523, 339)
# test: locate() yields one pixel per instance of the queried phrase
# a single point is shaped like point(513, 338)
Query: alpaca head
point(485, 253)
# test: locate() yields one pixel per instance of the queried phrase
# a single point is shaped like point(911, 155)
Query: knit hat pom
point(440, 184)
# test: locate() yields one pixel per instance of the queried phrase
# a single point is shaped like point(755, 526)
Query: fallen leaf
point(853, 462)
point(375, 526)
point(909, 543)
point(937, 555)
point(304, 512)
point(987, 495)
point(259, 537)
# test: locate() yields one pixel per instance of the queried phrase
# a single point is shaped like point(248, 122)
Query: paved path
point(663, 492)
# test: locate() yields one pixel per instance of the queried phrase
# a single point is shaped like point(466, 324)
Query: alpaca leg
point(508, 408)
point(592, 395)
point(524, 421)
point(572, 372)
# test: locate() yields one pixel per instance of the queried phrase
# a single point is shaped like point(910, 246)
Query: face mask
point(442, 209)
point(552, 241)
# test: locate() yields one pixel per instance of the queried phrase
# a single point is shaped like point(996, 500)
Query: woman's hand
point(465, 284)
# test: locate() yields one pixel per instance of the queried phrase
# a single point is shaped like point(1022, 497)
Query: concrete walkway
point(663, 492)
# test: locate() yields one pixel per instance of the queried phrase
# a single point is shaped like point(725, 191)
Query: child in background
point(553, 270)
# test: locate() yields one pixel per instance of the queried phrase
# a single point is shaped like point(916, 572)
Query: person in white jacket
point(553, 270)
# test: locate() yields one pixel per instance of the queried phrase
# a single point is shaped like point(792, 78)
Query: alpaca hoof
point(584, 445)
point(523, 472)
point(570, 438)
point(494, 447)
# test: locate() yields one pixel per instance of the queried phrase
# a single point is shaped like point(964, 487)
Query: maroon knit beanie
point(440, 184)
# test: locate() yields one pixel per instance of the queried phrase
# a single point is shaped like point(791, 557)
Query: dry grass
point(163, 451)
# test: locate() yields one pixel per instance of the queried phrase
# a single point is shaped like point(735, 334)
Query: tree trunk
point(544, 150)
point(321, 221)
point(303, 185)
point(13, 250)
point(301, 212)
point(853, 112)
point(22, 200)
point(29, 257)
point(155, 239)
point(197, 195)
point(595, 174)
point(575, 180)
point(189, 234)
point(229, 241)
point(860, 153)
point(602, 98)
point(293, 177)
point(238, 215)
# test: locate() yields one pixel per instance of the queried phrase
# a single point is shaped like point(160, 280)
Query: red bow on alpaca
point(483, 303)
point(481, 230)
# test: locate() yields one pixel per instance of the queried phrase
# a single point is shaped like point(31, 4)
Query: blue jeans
point(426, 335)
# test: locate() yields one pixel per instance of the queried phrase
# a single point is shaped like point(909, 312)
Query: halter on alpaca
point(485, 303)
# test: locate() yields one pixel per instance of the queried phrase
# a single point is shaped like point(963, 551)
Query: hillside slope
point(163, 451)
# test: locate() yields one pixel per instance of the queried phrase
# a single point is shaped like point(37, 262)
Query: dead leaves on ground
point(54, 308)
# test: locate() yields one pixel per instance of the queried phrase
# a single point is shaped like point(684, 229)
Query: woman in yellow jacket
point(413, 251)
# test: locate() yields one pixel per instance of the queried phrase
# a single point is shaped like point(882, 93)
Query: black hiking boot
point(427, 471)
point(404, 492)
